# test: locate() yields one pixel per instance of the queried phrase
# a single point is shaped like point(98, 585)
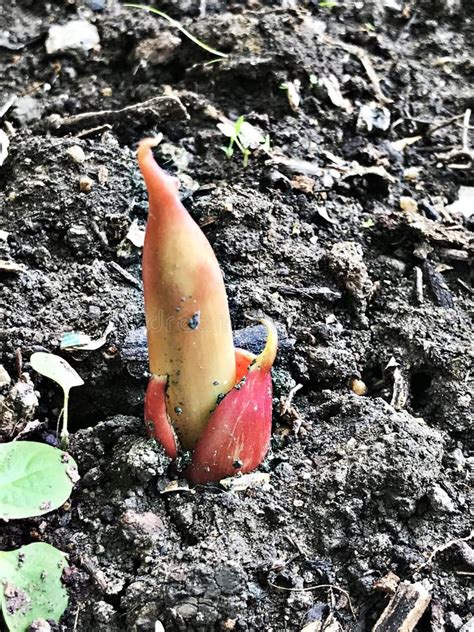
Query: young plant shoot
point(203, 394)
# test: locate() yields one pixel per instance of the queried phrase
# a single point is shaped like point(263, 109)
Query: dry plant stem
point(65, 432)
point(319, 586)
point(418, 285)
point(437, 126)
point(156, 106)
point(287, 403)
point(364, 59)
point(465, 133)
point(443, 547)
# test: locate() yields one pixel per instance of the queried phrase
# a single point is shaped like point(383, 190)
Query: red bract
point(203, 393)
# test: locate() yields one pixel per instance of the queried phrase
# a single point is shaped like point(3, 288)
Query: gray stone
point(453, 621)
point(27, 109)
point(440, 500)
point(468, 626)
point(75, 34)
point(5, 379)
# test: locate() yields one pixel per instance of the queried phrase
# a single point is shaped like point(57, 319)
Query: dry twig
point(309, 588)
point(443, 547)
point(366, 62)
point(159, 107)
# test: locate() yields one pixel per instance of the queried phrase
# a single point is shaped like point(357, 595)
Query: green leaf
point(35, 478)
point(57, 369)
point(30, 585)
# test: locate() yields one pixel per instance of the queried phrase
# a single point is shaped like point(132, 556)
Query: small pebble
point(358, 387)
point(75, 34)
point(27, 109)
point(440, 501)
point(85, 184)
point(76, 154)
point(412, 173)
point(453, 621)
point(408, 204)
point(458, 459)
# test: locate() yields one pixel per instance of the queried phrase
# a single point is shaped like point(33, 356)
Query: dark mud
point(359, 484)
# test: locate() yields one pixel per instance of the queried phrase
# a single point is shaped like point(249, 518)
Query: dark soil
point(359, 485)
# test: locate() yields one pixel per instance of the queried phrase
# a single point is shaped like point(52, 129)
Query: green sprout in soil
point(204, 395)
point(58, 370)
point(245, 136)
point(327, 4)
point(368, 222)
point(179, 26)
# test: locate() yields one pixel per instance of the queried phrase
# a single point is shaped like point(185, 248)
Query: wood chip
point(388, 583)
point(11, 266)
point(405, 608)
point(439, 288)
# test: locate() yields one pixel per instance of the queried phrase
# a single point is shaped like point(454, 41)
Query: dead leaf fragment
point(373, 115)
point(136, 234)
point(303, 183)
point(464, 204)
point(77, 341)
point(177, 486)
point(293, 93)
point(331, 83)
point(241, 483)
point(399, 145)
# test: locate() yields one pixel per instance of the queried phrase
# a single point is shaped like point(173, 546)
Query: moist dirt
point(341, 231)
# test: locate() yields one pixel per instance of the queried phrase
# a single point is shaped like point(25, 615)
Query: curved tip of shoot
point(145, 146)
point(264, 361)
point(158, 182)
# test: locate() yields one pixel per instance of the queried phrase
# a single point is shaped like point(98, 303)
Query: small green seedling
point(30, 585)
point(179, 26)
point(245, 136)
point(57, 369)
point(368, 222)
point(327, 4)
point(35, 478)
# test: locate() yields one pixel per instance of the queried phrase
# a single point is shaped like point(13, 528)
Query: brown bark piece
point(404, 609)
